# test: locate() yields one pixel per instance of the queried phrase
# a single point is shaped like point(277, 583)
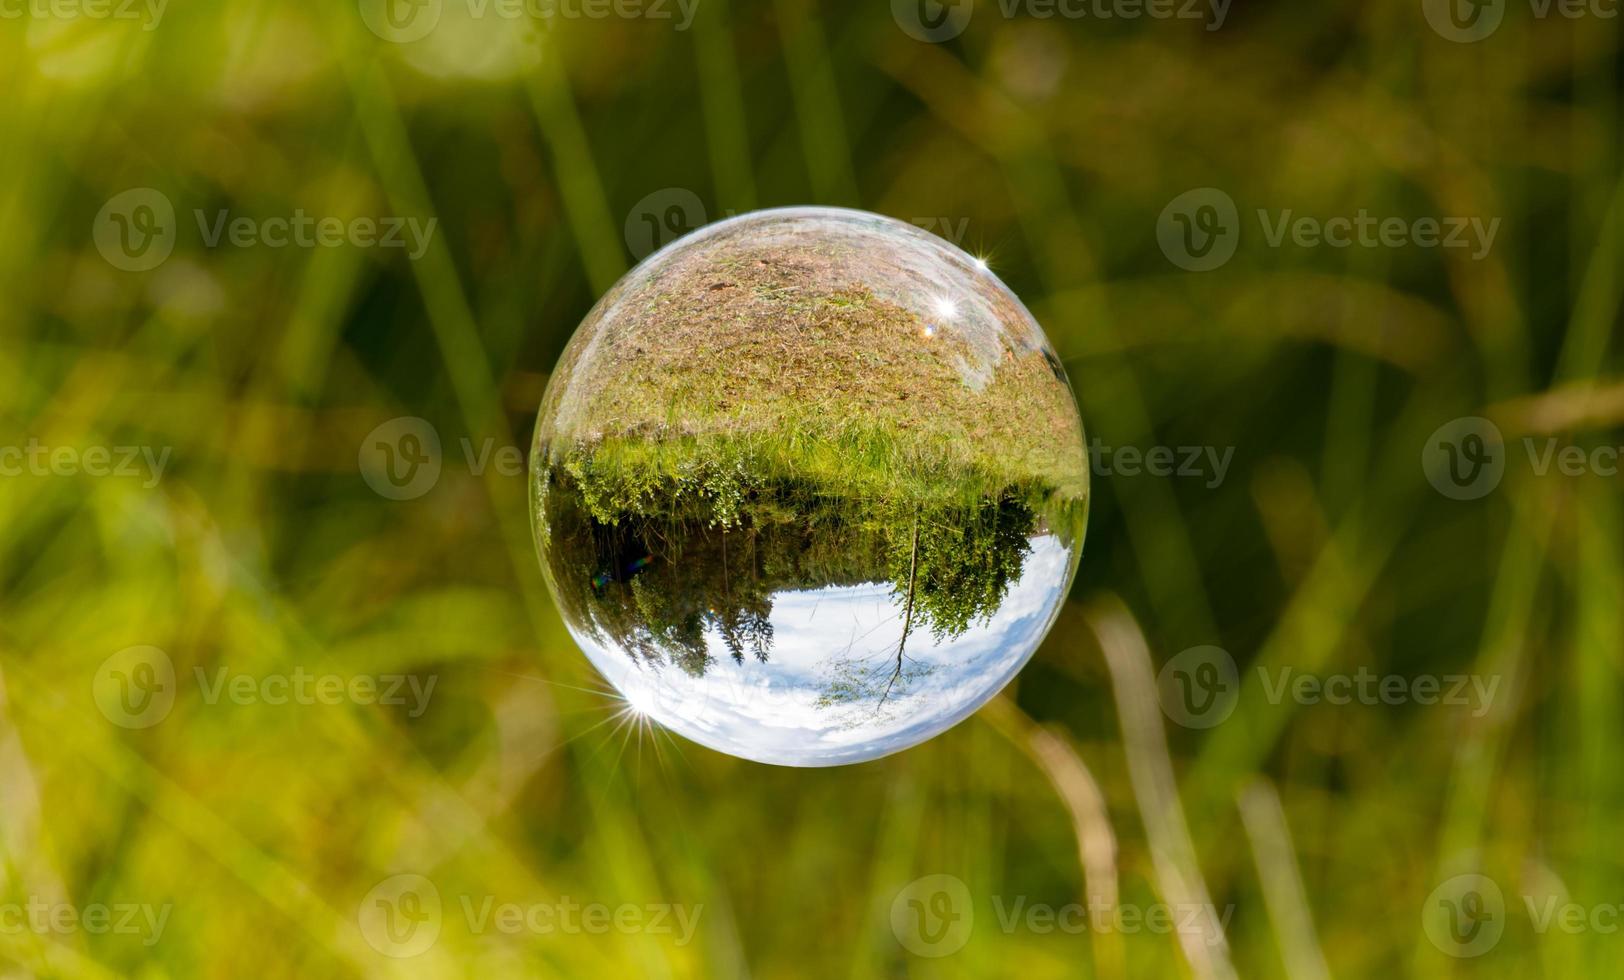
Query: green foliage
point(964, 562)
point(1055, 144)
point(651, 580)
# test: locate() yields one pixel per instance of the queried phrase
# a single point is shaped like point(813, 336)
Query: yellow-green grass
point(746, 365)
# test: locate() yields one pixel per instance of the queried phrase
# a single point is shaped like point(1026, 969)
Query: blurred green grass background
point(1049, 145)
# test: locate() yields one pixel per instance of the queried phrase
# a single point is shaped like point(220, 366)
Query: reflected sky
point(831, 692)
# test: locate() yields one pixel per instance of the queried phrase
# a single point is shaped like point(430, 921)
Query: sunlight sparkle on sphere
point(809, 486)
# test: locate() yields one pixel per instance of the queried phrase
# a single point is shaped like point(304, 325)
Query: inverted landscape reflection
point(832, 691)
point(809, 486)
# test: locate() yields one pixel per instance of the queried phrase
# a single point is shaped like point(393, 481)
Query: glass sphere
point(809, 486)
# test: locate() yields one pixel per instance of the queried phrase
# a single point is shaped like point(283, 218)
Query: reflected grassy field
point(851, 355)
point(272, 718)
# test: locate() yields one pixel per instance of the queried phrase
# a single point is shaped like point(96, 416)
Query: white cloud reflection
point(771, 712)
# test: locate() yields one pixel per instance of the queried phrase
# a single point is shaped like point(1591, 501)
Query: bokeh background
point(552, 151)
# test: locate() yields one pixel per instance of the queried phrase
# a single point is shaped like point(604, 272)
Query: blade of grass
point(817, 102)
point(1283, 893)
point(1150, 767)
point(722, 97)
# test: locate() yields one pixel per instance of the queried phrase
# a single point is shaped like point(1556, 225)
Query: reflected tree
point(673, 587)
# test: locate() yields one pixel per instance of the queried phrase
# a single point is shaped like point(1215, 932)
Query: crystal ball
point(808, 486)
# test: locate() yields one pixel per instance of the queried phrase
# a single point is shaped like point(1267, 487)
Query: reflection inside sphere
point(808, 486)
point(812, 632)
